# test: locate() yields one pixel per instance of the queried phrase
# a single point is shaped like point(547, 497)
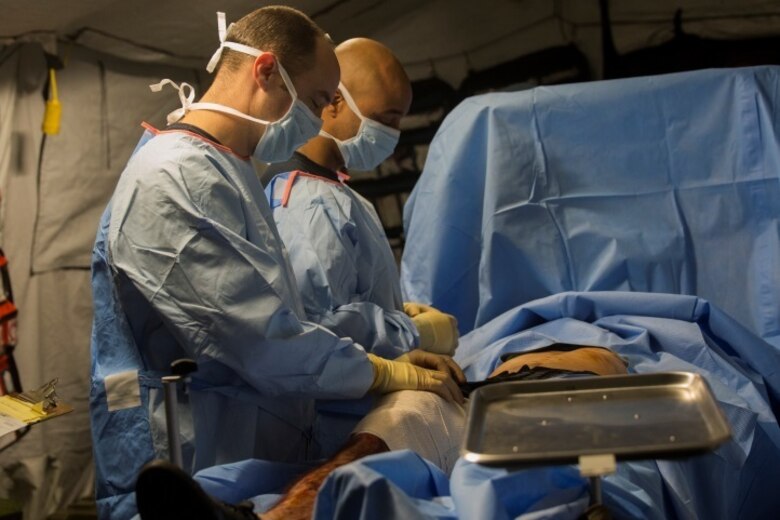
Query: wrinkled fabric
point(397, 484)
point(188, 263)
point(343, 264)
point(242, 480)
point(664, 184)
point(483, 492)
point(655, 333)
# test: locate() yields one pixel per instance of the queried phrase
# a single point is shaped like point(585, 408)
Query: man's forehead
point(393, 98)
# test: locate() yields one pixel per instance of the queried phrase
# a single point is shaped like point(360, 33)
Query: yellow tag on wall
point(53, 112)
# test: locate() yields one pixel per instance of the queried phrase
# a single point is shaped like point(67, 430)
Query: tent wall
point(445, 37)
point(103, 102)
point(54, 311)
point(52, 205)
point(450, 38)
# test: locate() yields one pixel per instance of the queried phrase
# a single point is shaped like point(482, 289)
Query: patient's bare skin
point(586, 359)
point(298, 502)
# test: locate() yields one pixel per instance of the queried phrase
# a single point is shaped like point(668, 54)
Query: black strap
point(298, 162)
point(194, 129)
point(526, 373)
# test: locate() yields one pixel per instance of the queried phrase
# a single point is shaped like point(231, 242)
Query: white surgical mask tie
point(281, 137)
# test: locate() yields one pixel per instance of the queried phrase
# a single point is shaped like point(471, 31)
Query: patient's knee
point(420, 421)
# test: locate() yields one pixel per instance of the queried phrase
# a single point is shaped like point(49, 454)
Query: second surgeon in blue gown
point(343, 264)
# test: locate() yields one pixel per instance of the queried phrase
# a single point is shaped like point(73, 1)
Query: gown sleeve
point(178, 235)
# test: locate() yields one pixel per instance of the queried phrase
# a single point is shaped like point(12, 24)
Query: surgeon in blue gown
point(345, 269)
point(188, 263)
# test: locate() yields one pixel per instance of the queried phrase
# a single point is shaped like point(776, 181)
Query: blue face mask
point(373, 143)
point(281, 137)
point(285, 135)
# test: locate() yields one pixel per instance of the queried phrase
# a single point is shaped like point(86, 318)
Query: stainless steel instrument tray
point(637, 416)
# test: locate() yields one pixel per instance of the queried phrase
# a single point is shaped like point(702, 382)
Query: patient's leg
point(419, 421)
point(164, 491)
point(426, 424)
point(298, 502)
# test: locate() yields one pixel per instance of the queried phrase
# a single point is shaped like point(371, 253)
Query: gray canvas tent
point(54, 188)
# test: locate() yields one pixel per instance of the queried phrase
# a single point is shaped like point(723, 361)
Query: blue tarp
point(666, 184)
point(656, 333)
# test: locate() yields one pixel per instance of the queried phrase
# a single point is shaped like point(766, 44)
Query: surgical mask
point(281, 137)
point(373, 143)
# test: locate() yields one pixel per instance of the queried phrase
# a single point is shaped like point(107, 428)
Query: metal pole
point(595, 491)
point(172, 418)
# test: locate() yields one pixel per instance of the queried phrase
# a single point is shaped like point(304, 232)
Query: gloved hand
point(412, 309)
point(438, 331)
point(391, 376)
point(433, 361)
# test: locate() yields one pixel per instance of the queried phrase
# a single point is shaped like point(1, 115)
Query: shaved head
point(380, 88)
point(370, 68)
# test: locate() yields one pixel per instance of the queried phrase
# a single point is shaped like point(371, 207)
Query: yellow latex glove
point(391, 376)
point(412, 309)
point(438, 331)
point(438, 362)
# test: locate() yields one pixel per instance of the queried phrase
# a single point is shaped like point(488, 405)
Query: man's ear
point(264, 66)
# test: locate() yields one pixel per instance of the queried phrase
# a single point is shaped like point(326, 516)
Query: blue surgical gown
point(345, 269)
point(188, 263)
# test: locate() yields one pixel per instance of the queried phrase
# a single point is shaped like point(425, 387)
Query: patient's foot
point(164, 492)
